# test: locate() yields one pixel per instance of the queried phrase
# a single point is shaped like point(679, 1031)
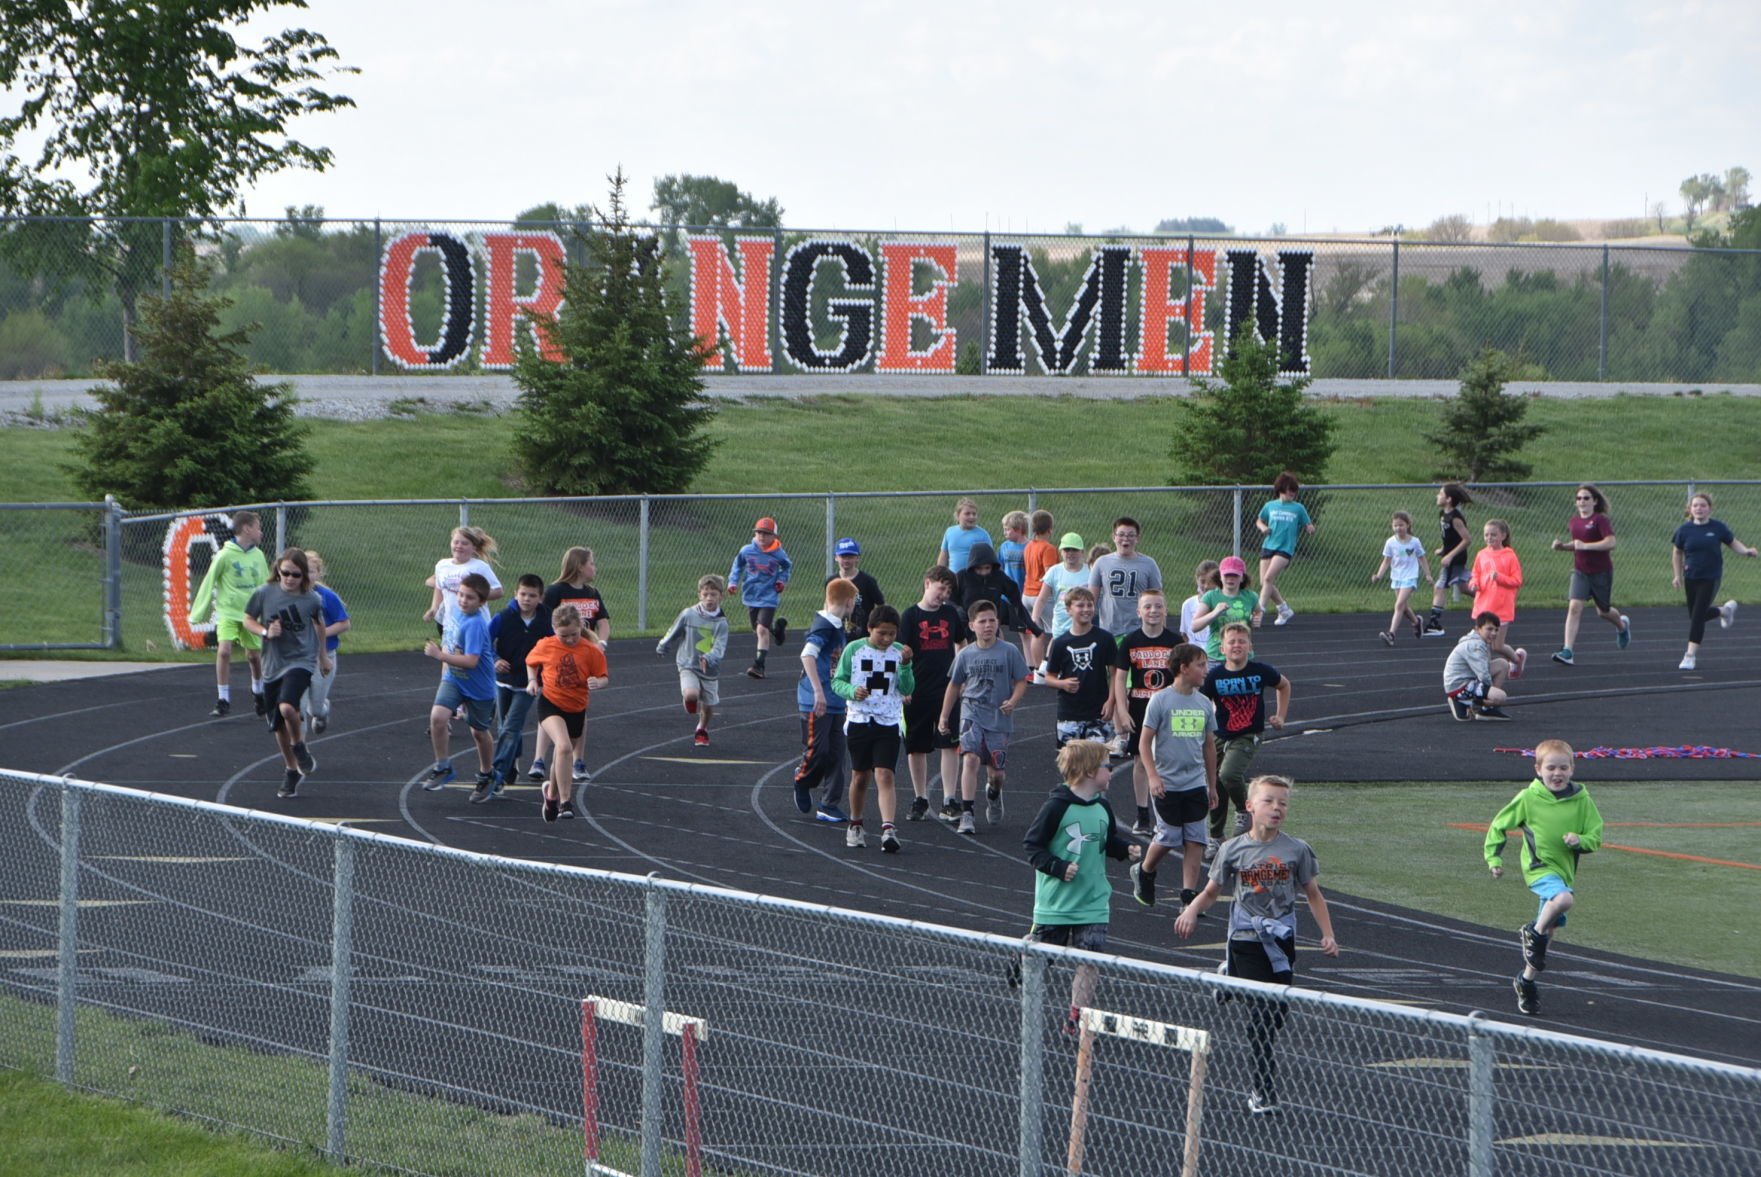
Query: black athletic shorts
point(575, 721)
point(290, 688)
point(872, 746)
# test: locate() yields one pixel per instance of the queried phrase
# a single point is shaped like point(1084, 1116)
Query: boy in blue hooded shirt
point(761, 573)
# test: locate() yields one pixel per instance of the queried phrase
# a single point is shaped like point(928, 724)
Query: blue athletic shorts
point(1546, 887)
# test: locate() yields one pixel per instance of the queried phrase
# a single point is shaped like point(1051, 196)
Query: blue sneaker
point(803, 798)
point(438, 776)
point(538, 771)
point(831, 814)
point(1625, 636)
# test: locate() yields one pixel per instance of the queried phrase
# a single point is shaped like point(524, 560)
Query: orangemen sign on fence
point(843, 305)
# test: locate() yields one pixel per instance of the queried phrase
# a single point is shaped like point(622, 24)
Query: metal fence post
point(1032, 500)
point(464, 512)
point(1393, 308)
point(1480, 1099)
point(1602, 335)
point(342, 935)
point(378, 256)
point(1235, 544)
point(67, 946)
point(653, 1030)
point(831, 533)
point(984, 300)
point(165, 257)
point(1033, 1010)
point(642, 568)
point(112, 574)
point(280, 527)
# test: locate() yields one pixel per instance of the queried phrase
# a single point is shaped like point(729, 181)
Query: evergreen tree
point(187, 424)
point(1482, 427)
point(623, 411)
point(1249, 426)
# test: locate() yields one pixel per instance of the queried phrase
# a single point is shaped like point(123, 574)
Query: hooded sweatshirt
point(1545, 817)
point(233, 575)
point(994, 586)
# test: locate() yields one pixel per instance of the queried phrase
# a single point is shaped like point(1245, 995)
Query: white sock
point(226, 693)
point(256, 686)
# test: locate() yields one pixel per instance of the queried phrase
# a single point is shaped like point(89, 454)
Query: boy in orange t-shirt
point(1041, 554)
point(1496, 577)
point(562, 670)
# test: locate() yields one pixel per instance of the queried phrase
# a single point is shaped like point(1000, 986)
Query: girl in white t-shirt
point(1403, 557)
point(472, 551)
point(1204, 579)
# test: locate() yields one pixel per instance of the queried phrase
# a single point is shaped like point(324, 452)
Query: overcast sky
point(1348, 116)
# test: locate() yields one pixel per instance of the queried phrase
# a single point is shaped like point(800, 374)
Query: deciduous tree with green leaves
point(160, 108)
point(623, 411)
point(187, 424)
point(1249, 426)
point(1483, 426)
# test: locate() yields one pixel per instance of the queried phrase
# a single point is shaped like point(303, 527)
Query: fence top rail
point(1387, 240)
point(1475, 1022)
point(820, 496)
point(53, 506)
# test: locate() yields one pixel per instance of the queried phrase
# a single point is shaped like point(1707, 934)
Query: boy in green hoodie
point(1559, 823)
point(238, 569)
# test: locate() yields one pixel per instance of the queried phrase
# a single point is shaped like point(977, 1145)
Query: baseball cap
point(766, 524)
point(1232, 565)
point(847, 547)
point(1071, 540)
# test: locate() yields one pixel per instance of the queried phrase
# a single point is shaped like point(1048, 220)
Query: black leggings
point(1264, 1015)
point(1700, 606)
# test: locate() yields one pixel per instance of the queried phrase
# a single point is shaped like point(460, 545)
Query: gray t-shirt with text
point(1117, 582)
point(302, 629)
point(1183, 724)
point(986, 679)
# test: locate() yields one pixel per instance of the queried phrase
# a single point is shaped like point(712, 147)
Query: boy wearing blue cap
point(848, 553)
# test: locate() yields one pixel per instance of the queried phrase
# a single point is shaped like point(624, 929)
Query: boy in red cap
point(761, 572)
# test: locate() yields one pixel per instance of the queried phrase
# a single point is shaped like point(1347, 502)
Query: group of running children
point(1185, 706)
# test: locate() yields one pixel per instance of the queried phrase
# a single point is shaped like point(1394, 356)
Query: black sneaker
point(1460, 709)
point(261, 704)
point(950, 811)
point(755, 671)
point(1145, 826)
point(1492, 713)
point(1262, 1103)
point(1143, 885)
point(291, 783)
point(1534, 947)
point(1434, 628)
point(222, 708)
point(303, 757)
point(1387, 638)
point(437, 777)
point(779, 633)
point(485, 788)
point(1187, 895)
point(1528, 996)
point(919, 809)
point(567, 809)
point(550, 809)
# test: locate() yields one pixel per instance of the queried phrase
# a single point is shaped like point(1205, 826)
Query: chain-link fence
point(422, 1008)
point(381, 297)
point(650, 550)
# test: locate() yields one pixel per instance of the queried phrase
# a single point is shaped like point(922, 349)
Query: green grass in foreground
point(1400, 844)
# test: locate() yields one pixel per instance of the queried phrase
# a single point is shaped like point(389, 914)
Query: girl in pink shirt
point(1496, 577)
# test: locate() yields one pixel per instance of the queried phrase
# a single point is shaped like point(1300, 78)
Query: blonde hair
point(1501, 525)
point(1015, 519)
point(1548, 748)
point(1079, 758)
point(960, 505)
point(569, 615)
point(480, 540)
point(1270, 781)
point(574, 560)
point(316, 563)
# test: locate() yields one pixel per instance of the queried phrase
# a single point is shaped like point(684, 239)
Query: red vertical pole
point(693, 1135)
point(589, 1085)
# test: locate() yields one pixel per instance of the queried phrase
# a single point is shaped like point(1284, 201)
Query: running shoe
point(1491, 713)
point(1727, 614)
point(919, 809)
point(1260, 1103)
point(222, 708)
point(1564, 657)
point(261, 704)
point(1418, 628)
point(968, 825)
point(1143, 885)
point(1625, 636)
point(755, 671)
point(1460, 709)
point(1285, 613)
point(1387, 638)
point(1434, 628)
point(950, 811)
point(1522, 660)
point(832, 815)
point(854, 838)
point(780, 631)
point(550, 805)
point(993, 805)
point(1528, 996)
point(303, 757)
point(1688, 662)
point(320, 724)
point(690, 706)
point(582, 776)
point(290, 784)
point(538, 771)
point(567, 809)
point(438, 776)
point(803, 798)
point(1144, 826)
point(485, 788)
point(889, 840)
point(701, 739)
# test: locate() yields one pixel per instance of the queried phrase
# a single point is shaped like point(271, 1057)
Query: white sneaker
point(1285, 613)
point(1727, 614)
point(968, 825)
point(1688, 662)
point(854, 838)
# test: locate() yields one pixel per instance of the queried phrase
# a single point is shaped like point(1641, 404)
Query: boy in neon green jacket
point(1559, 823)
point(238, 569)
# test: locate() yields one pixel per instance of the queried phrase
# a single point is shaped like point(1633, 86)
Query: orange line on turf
point(1482, 827)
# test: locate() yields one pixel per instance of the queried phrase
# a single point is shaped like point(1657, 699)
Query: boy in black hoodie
point(983, 579)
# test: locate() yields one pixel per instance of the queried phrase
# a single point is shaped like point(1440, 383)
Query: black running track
point(723, 814)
